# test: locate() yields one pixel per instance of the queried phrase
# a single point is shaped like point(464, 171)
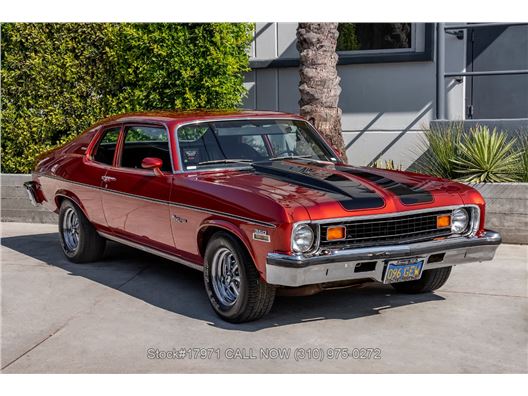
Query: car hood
point(329, 190)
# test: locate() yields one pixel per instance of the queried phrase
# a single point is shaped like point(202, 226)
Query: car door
point(135, 200)
point(92, 169)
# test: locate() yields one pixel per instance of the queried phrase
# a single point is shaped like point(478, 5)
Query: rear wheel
point(232, 282)
point(431, 280)
point(79, 239)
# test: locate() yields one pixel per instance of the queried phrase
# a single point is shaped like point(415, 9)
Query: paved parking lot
point(124, 313)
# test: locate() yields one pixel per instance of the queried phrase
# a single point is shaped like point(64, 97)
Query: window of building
point(358, 43)
point(374, 36)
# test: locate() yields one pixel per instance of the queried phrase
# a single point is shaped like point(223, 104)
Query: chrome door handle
point(107, 179)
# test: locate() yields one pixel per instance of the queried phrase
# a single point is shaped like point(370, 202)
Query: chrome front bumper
point(292, 270)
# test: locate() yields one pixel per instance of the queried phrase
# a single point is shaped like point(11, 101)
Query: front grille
point(387, 231)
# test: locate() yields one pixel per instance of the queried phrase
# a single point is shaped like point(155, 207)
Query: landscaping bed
point(506, 209)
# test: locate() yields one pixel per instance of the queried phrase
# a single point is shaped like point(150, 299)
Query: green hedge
point(58, 79)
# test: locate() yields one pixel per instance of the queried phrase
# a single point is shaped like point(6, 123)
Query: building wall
point(385, 106)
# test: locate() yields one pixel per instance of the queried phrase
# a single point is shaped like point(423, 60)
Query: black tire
point(431, 280)
point(255, 296)
point(90, 245)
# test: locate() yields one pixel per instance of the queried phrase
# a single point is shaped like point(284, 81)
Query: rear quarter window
point(105, 149)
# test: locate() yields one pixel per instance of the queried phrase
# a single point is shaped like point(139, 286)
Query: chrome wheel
point(225, 273)
point(70, 230)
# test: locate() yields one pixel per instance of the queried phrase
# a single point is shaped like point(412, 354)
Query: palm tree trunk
point(319, 82)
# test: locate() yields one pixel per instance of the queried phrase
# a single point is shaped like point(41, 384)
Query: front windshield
point(230, 143)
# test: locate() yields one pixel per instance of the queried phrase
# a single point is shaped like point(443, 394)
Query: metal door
point(491, 49)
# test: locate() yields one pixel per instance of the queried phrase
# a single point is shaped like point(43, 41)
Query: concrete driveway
point(134, 312)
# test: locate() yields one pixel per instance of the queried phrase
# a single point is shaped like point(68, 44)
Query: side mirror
point(152, 163)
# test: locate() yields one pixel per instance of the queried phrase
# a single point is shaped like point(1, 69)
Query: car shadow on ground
point(179, 289)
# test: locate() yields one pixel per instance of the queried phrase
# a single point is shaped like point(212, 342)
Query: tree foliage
point(440, 146)
point(58, 79)
point(347, 39)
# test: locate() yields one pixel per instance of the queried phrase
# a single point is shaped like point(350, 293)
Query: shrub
point(522, 170)
point(440, 145)
point(478, 156)
point(486, 157)
point(58, 79)
point(347, 39)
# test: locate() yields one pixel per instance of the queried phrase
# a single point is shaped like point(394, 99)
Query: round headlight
point(302, 238)
point(459, 221)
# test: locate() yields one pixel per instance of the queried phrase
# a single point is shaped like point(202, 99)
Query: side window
point(105, 150)
point(145, 141)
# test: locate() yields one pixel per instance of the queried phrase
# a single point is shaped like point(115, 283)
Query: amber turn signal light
point(443, 221)
point(334, 233)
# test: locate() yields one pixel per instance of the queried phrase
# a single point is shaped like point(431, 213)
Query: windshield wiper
point(223, 161)
point(288, 157)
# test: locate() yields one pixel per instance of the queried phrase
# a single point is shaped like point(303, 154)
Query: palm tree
point(319, 83)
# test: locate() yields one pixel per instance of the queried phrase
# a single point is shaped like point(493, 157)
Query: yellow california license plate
point(403, 270)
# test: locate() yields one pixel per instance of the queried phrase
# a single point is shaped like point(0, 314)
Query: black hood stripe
point(408, 194)
point(350, 194)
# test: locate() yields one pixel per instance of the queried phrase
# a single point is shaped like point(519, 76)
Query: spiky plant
point(486, 157)
point(523, 158)
point(440, 146)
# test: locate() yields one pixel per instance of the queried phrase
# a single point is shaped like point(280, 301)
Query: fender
point(72, 197)
point(233, 229)
point(472, 196)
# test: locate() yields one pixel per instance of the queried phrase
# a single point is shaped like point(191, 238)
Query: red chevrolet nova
point(260, 203)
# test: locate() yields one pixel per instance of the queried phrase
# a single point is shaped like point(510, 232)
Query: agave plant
point(486, 157)
point(440, 146)
point(523, 158)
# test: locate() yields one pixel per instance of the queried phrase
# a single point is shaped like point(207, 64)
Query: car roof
point(180, 117)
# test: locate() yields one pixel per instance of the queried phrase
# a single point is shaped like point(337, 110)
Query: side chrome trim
point(174, 204)
point(231, 216)
point(151, 251)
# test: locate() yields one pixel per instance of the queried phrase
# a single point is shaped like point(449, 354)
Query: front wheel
point(79, 239)
point(431, 280)
point(232, 282)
